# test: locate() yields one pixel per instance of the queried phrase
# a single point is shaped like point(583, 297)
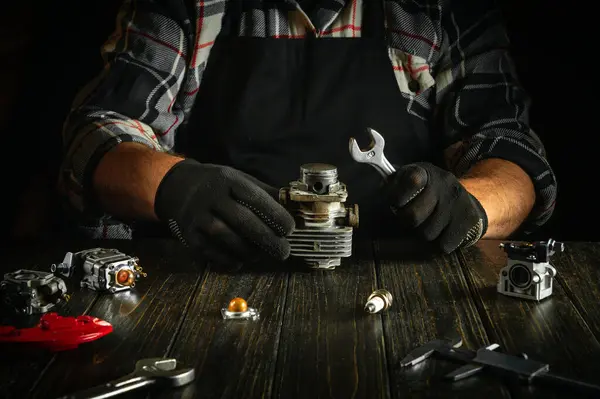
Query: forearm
point(505, 191)
point(127, 178)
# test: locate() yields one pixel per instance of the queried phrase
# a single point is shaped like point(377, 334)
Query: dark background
point(50, 49)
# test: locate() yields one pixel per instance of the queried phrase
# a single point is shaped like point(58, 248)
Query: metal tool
point(424, 352)
point(530, 371)
point(373, 155)
point(163, 372)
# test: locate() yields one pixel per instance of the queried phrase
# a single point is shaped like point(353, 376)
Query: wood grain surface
point(234, 358)
point(145, 322)
point(330, 347)
point(551, 331)
point(578, 273)
point(431, 301)
point(313, 338)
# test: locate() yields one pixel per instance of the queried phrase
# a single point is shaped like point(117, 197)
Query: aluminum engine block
point(324, 224)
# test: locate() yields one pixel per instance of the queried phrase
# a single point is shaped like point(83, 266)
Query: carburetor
point(103, 269)
point(324, 225)
point(528, 273)
point(32, 292)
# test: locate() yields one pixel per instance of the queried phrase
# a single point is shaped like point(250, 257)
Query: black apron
point(268, 105)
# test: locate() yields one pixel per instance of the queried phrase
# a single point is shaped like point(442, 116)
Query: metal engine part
point(378, 301)
point(324, 225)
point(103, 269)
point(32, 292)
point(528, 273)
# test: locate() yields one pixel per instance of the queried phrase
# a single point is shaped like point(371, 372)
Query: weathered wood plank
point(551, 331)
point(579, 275)
point(20, 369)
point(146, 320)
point(330, 347)
point(431, 301)
point(234, 358)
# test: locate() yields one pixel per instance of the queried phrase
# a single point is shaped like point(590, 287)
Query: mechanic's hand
point(434, 203)
point(230, 216)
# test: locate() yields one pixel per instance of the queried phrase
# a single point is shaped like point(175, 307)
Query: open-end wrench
point(154, 371)
point(373, 155)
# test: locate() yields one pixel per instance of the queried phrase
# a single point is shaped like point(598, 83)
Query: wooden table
point(313, 339)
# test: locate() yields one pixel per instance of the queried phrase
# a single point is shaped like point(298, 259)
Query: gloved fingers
point(431, 228)
point(455, 233)
point(195, 240)
point(186, 234)
point(417, 211)
point(217, 256)
point(272, 191)
point(220, 235)
point(214, 253)
point(251, 226)
point(408, 182)
point(263, 205)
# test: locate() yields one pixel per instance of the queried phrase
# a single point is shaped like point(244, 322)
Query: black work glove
point(231, 217)
point(434, 203)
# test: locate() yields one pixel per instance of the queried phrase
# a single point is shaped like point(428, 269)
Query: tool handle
point(111, 389)
point(564, 382)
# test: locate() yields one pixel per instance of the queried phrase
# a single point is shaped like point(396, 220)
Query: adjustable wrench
point(373, 155)
point(154, 371)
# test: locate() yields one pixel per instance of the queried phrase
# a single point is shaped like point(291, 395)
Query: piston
point(324, 224)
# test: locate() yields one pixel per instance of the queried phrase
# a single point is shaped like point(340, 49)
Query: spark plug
point(378, 301)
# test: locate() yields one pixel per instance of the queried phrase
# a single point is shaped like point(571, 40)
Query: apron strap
point(374, 22)
point(232, 18)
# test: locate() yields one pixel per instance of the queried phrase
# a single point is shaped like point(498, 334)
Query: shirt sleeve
point(481, 107)
point(134, 98)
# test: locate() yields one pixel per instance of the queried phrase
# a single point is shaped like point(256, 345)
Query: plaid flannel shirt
point(457, 50)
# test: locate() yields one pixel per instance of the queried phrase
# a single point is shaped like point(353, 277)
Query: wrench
point(530, 371)
point(373, 155)
point(448, 349)
point(159, 371)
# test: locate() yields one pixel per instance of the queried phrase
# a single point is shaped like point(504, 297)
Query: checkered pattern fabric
point(456, 50)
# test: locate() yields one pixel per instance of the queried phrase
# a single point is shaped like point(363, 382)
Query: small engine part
point(32, 292)
point(528, 273)
point(238, 309)
point(324, 225)
point(378, 301)
point(103, 269)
